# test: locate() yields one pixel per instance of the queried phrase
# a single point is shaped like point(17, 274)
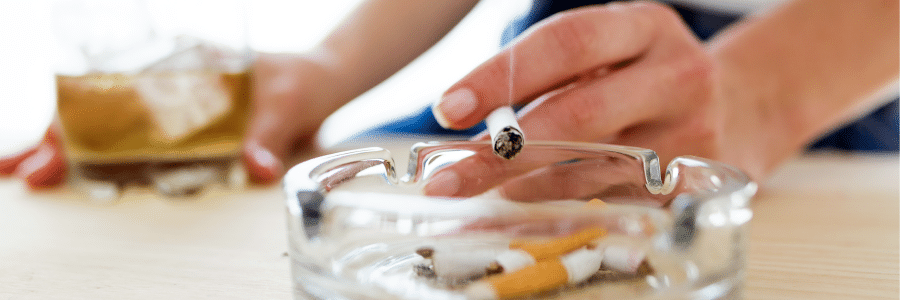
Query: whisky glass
point(152, 94)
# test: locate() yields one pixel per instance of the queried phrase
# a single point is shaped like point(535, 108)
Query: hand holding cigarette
point(634, 74)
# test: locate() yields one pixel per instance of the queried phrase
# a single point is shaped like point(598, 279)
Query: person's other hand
point(628, 74)
point(290, 102)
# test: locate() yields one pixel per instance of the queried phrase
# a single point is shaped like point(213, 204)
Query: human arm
point(809, 67)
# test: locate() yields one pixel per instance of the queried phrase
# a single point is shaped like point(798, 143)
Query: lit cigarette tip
point(508, 143)
point(505, 133)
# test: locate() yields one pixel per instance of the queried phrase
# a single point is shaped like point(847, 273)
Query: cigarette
point(543, 276)
point(506, 136)
point(524, 253)
point(623, 259)
point(454, 266)
point(461, 266)
point(559, 246)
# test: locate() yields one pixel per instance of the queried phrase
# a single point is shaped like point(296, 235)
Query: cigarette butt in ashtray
point(506, 136)
point(525, 253)
point(462, 265)
point(545, 275)
point(455, 266)
point(623, 259)
point(645, 222)
point(626, 260)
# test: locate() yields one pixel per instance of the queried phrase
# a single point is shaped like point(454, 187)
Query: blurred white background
point(27, 92)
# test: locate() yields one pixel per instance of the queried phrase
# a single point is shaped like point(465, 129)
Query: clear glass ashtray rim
point(732, 182)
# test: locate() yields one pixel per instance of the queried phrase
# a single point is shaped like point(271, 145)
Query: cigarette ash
point(508, 143)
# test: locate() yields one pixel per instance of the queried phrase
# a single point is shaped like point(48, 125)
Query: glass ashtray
point(561, 220)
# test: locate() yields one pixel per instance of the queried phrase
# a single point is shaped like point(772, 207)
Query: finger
point(484, 170)
point(464, 178)
point(9, 164)
point(263, 167)
point(603, 107)
point(583, 179)
point(556, 51)
point(602, 110)
point(266, 147)
point(45, 168)
point(278, 117)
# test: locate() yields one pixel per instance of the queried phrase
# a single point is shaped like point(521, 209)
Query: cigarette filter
point(560, 246)
point(506, 136)
point(596, 203)
point(543, 276)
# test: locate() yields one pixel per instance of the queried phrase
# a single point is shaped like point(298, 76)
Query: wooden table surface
point(825, 227)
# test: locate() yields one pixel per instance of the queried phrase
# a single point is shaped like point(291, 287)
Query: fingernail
point(8, 164)
point(34, 162)
point(266, 159)
point(268, 167)
point(444, 183)
point(454, 107)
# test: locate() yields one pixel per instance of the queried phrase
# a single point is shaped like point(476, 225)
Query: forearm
point(381, 37)
point(812, 64)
